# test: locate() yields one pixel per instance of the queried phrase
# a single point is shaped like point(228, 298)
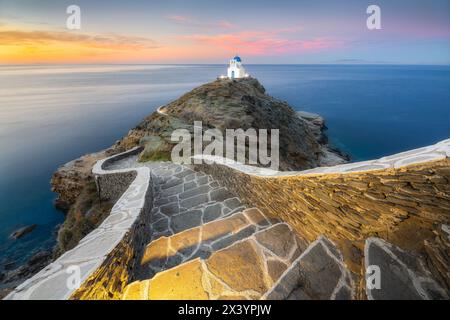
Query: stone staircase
point(205, 244)
point(192, 217)
point(166, 252)
point(318, 274)
point(246, 269)
point(185, 199)
point(176, 233)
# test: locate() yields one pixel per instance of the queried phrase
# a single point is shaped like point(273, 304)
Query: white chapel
point(235, 69)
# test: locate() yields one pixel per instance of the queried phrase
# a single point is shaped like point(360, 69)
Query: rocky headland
point(232, 104)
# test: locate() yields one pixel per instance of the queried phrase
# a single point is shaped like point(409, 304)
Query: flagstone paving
point(244, 270)
point(205, 244)
point(189, 237)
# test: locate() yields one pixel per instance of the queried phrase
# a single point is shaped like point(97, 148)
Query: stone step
point(318, 274)
point(185, 199)
point(403, 276)
point(245, 270)
point(201, 241)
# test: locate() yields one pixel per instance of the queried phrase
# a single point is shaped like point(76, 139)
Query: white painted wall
point(239, 70)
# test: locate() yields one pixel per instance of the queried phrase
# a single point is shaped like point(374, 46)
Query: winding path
point(200, 241)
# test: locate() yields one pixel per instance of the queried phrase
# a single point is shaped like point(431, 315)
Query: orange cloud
point(115, 42)
point(25, 46)
point(43, 46)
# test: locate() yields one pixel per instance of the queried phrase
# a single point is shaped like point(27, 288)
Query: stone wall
point(122, 265)
point(347, 206)
point(104, 259)
point(111, 186)
point(404, 199)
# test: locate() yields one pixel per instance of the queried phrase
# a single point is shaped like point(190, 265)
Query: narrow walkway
point(206, 244)
point(192, 216)
point(196, 240)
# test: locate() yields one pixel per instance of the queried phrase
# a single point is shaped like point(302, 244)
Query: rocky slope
point(232, 104)
point(71, 178)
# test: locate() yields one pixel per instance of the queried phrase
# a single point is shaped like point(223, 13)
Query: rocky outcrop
point(71, 178)
point(233, 104)
point(316, 124)
point(19, 233)
point(11, 279)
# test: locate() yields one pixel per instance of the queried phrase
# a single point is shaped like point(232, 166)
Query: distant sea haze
point(50, 115)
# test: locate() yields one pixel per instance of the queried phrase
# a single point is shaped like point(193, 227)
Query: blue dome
point(237, 58)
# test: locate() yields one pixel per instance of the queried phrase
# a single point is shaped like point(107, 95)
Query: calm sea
point(52, 114)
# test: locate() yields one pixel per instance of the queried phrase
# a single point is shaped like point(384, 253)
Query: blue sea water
point(52, 114)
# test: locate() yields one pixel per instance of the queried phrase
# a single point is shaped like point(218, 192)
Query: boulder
point(19, 233)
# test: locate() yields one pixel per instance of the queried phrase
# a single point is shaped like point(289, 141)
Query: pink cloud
point(264, 43)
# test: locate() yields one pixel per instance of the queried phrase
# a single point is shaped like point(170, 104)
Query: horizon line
point(217, 64)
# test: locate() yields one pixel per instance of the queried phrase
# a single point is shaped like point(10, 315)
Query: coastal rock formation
point(19, 233)
point(233, 104)
point(71, 178)
point(316, 124)
point(12, 278)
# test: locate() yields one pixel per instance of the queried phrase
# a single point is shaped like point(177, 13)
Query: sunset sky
point(205, 31)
